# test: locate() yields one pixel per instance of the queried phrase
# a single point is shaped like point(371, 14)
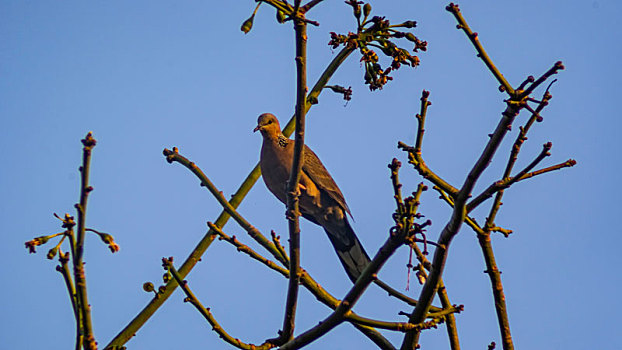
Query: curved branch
point(174, 156)
point(416, 160)
point(192, 299)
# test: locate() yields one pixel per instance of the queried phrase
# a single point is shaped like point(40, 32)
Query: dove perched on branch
point(320, 201)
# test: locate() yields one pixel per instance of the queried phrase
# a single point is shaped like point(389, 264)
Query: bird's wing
point(314, 168)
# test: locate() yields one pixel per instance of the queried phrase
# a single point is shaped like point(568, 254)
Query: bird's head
point(268, 125)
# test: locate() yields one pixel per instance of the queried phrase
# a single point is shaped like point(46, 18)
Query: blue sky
point(145, 75)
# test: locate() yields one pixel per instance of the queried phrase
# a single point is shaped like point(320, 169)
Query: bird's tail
point(349, 250)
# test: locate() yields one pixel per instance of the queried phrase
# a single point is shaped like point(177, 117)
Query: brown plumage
point(321, 201)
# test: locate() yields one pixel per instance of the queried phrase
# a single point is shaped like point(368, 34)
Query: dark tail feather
point(349, 250)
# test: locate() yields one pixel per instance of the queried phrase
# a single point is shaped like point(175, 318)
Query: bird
point(320, 201)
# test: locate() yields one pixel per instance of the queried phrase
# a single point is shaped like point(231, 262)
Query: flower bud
point(366, 9)
point(52, 253)
point(247, 25)
point(411, 37)
point(42, 240)
point(106, 238)
point(166, 277)
point(280, 17)
point(410, 24)
point(148, 287)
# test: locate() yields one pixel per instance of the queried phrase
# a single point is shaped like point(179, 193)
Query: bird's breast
point(275, 167)
point(276, 163)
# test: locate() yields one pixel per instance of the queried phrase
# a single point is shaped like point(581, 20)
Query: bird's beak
point(256, 128)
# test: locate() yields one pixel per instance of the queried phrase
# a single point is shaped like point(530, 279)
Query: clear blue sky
point(144, 75)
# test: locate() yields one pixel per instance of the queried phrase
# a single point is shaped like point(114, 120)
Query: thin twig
point(481, 53)
point(395, 165)
point(450, 319)
point(247, 250)
point(509, 181)
point(417, 161)
point(293, 191)
point(308, 6)
point(88, 340)
point(397, 186)
point(280, 6)
point(504, 184)
point(401, 296)
point(449, 310)
point(414, 153)
point(174, 156)
point(522, 135)
point(553, 70)
point(566, 164)
point(69, 223)
point(63, 268)
point(421, 120)
point(276, 240)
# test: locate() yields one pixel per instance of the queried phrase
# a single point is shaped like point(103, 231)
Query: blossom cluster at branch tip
point(347, 93)
point(378, 33)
